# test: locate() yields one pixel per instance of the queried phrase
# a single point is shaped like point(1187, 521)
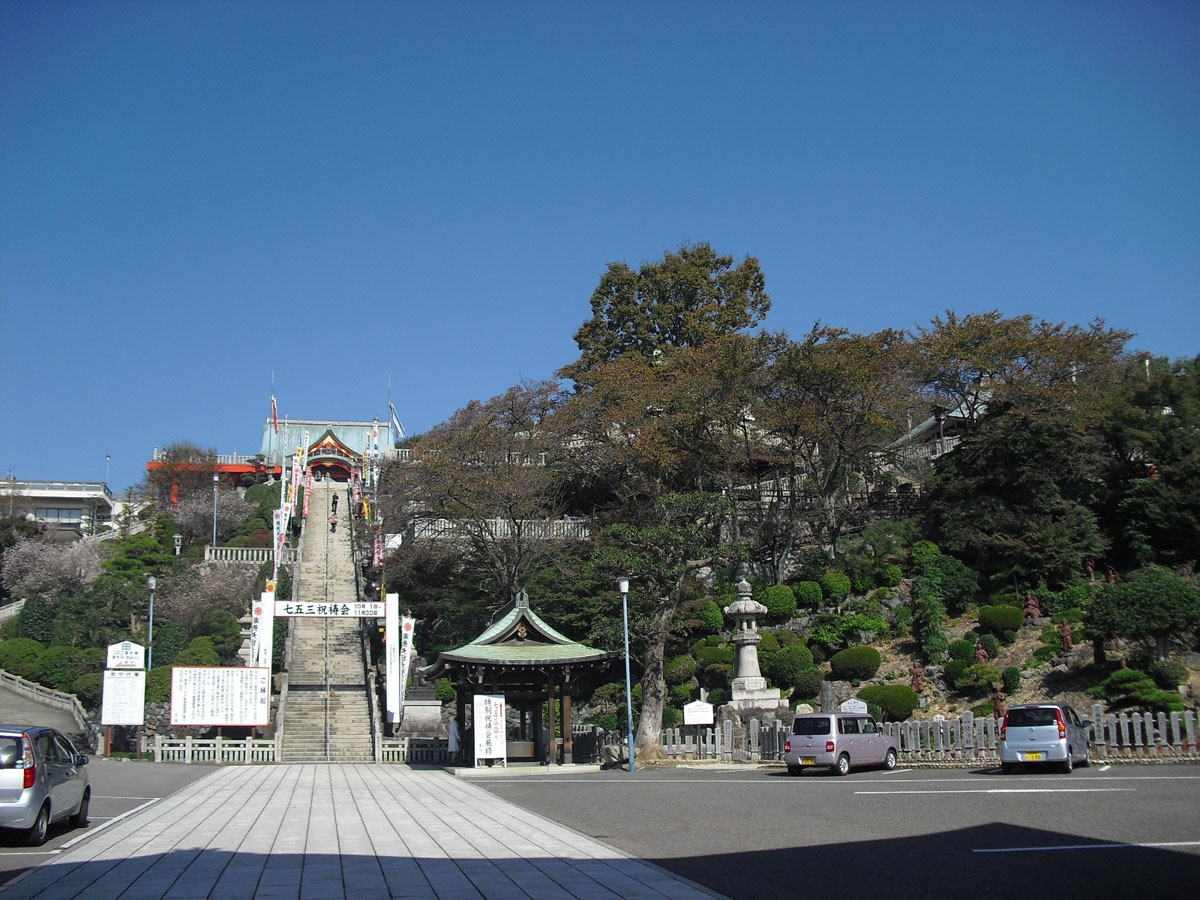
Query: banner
point(307, 491)
point(391, 652)
point(491, 736)
point(407, 625)
point(262, 629)
point(359, 609)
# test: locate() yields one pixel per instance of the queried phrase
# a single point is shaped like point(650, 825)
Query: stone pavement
point(324, 832)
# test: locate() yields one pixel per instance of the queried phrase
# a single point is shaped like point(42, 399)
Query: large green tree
point(1152, 603)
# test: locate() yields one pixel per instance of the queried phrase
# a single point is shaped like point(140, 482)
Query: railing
point(59, 700)
point(255, 555)
point(411, 750)
point(215, 750)
point(534, 529)
point(50, 488)
point(10, 609)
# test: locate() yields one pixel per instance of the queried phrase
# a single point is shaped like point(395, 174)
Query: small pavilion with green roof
point(532, 665)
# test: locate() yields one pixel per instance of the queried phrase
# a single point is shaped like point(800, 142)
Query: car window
point(1033, 717)
point(867, 726)
point(847, 726)
point(819, 725)
point(10, 751)
point(65, 751)
point(45, 748)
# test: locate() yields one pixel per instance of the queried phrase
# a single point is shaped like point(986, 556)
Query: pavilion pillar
point(551, 745)
point(568, 751)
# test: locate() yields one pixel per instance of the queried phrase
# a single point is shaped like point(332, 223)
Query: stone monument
point(749, 689)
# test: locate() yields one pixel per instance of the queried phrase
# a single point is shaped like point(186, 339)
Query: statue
point(1112, 575)
point(981, 655)
point(1065, 630)
point(918, 678)
point(998, 703)
point(1089, 569)
point(1033, 609)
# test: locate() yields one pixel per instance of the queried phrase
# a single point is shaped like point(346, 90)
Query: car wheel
point(795, 770)
point(36, 835)
point(80, 817)
point(843, 765)
point(1068, 764)
point(1087, 755)
point(889, 761)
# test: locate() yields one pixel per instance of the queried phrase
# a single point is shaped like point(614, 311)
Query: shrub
point(223, 629)
point(856, 663)
point(896, 701)
point(1010, 678)
point(1132, 687)
point(785, 666)
point(717, 675)
point(999, 619)
point(200, 652)
point(891, 575)
point(710, 616)
point(89, 688)
point(680, 670)
point(808, 595)
point(949, 580)
point(923, 551)
point(680, 694)
point(19, 655)
point(962, 650)
point(707, 656)
point(954, 670)
point(445, 691)
point(671, 716)
point(767, 643)
point(991, 644)
point(808, 683)
point(904, 617)
point(58, 667)
point(780, 602)
point(835, 586)
point(934, 647)
point(158, 684)
point(35, 620)
point(170, 639)
point(1169, 674)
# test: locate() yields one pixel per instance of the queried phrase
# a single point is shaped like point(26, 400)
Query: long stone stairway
point(327, 715)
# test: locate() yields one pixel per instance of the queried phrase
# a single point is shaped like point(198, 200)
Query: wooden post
point(551, 746)
point(568, 744)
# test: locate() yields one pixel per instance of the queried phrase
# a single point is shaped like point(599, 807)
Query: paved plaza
point(323, 832)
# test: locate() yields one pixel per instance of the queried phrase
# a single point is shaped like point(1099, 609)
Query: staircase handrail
point(364, 634)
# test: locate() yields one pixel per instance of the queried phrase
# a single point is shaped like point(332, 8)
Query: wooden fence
point(215, 750)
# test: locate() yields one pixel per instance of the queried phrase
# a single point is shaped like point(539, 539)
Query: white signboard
point(391, 650)
point(262, 629)
point(371, 609)
point(491, 735)
point(126, 655)
point(854, 705)
point(698, 713)
point(220, 696)
point(124, 699)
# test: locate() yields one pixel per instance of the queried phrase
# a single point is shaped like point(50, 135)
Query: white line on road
point(1004, 791)
point(71, 843)
point(1149, 844)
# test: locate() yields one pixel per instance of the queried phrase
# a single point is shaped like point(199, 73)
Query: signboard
point(220, 696)
point(491, 735)
point(262, 628)
point(126, 655)
point(371, 609)
point(124, 698)
point(391, 650)
point(698, 713)
point(854, 705)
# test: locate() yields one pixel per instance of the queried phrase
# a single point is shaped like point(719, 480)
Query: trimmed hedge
point(808, 595)
point(780, 601)
point(856, 663)
point(896, 701)
point(808, 683)
point(999, 619)
point(785, 666)
point(836, 586)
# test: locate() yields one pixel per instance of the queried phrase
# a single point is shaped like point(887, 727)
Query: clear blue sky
point(196, 194)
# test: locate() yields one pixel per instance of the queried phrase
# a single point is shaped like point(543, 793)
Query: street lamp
point(216, 480)
point(623, 585)
point(150, 638)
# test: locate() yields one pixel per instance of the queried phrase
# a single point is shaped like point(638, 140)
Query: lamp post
point(623, 584)
point(150, 638)
point(107, 457)
point(178, 542)
point(216, 480)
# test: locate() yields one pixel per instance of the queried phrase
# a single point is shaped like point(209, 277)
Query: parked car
point(1044, 734)
point(42, 780)
point(838, 741)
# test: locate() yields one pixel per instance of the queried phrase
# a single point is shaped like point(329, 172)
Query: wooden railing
point(215, 750)
point(254, 555)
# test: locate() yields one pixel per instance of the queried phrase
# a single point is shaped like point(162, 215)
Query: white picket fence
point(217, 750)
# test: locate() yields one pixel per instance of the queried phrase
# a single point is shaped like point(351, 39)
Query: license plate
point(808, 760)
point(1033, 756)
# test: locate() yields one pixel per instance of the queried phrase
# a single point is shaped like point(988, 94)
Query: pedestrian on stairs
point(335, 496)
point(333, 522)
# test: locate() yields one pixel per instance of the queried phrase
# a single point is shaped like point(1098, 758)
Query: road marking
point(1105, 768)
point(1146, 844)
point(1089, 790)
point(897, 772)
point(71, 843)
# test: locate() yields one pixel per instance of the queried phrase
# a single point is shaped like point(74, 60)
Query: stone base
point(422, 719)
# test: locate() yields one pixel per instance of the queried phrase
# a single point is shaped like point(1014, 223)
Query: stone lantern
point(749, 690)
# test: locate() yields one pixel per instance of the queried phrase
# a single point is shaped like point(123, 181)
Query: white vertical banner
point(391, 647)
point(491, 734)
point(262, 630)
point(407, 624)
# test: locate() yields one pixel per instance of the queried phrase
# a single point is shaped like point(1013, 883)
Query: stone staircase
point(327, 716)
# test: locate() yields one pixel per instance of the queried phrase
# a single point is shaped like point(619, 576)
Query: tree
point(181, 469)
point(49, 568)
point(14, 529)
point(1152, 602)
point(685, 300)
point(195, 594)
point(194, 514)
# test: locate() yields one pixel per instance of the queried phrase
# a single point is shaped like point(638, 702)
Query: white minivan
point(838, 741)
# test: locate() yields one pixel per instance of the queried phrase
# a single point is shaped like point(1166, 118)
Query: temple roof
point(519, 637)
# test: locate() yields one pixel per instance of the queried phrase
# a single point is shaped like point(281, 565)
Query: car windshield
point(1028, 718)
point(811, 726)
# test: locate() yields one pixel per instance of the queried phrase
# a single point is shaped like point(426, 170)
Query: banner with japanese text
point(262, 629)
point(491, 736)
point(368, 609)
point(391, 652)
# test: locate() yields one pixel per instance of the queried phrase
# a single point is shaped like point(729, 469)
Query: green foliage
point(170, 638)
point(223, 629)
point(89, 688)
point(158, 684)
point(924, 551)
point(1150, 602)
point(445, 691)
point(680, 670)
point(1010, 679)
point(35, 620)
point(785, 666)
point(896, 701)
point(808, 595)
point(808, 683)
point(780, 602)
point(947, 579)
point(680, 694)
point(671, 717)
point(835, 586)
point(904, 617)
point(928, 613)
point(709, 655)
point(200, 652)
point(856, 663)
point(991, 644)
point(58, 667)
point(1169, 674)
point(962, 651)
point(998, 619)
point(710, 615)
point(19, 656)
point(891, 575)
point(1134, 688)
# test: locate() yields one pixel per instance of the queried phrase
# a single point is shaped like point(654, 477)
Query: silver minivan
point(1044, 734)
point(42, 780)
point(838, 741)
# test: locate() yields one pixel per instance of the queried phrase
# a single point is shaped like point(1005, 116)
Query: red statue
point(1068, 642)
point(918, 678)
point(998, 703)
point(981, 655)
point(1033, 609)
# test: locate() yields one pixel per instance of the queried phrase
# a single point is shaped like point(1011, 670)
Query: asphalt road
point(1132, 830)
point(119, 788)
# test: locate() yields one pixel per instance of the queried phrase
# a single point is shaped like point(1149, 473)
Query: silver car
point(1044, 734)
point(838, 741)
point(42, 780)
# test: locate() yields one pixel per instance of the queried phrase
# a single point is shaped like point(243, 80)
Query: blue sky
point(194, 195)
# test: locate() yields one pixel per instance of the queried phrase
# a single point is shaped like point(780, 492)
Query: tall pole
point(623, 584)
point(107, 457)
point(216, 480)
point(150, 639)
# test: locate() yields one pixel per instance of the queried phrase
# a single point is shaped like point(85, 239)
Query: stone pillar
point(749, 689)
